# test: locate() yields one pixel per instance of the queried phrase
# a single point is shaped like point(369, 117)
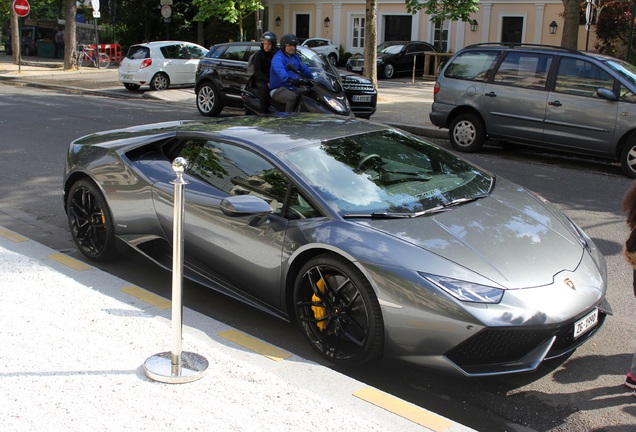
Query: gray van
point(544, 96)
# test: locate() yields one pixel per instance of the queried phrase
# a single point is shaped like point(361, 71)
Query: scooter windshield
point(323, 72)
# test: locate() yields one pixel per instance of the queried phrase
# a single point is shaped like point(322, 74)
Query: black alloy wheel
point(338, 311)
point(90, 221)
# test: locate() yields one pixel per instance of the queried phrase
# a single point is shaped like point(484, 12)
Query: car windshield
point(387, 174)
point(389, 48)
point(322, 71)
point(627, 70)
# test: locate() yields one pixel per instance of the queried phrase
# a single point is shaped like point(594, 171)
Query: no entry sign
point(21, 7)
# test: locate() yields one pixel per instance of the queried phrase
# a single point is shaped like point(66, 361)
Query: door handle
point(491, 94)
point(555, 103)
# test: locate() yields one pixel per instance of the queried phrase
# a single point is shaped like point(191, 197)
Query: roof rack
point(522, 45)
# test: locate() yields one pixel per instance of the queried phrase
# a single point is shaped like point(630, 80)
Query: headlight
point(335, 104)
point(466, 291)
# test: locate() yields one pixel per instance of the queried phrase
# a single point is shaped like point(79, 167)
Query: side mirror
point(245, 205)
point(606, 93)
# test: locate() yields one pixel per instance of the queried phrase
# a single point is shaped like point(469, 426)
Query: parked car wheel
point(467, 133)
point(208, 100)
point(159, 82)
point(332, 59)
point(132, 87)
point(628, 157)
point(388, 71)
point(90, 221)
point(338, 311)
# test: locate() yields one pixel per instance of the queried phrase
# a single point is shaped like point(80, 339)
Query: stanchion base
point(159, 368)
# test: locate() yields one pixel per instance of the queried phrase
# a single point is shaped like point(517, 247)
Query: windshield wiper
point(392, 215)
point(460, 201)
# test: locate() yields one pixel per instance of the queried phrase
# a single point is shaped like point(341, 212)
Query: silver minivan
point(539, 95)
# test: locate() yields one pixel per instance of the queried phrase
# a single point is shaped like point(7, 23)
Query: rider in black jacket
point(262, 62)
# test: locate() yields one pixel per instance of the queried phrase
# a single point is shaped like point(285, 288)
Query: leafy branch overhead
point(233, 11)
point(443, 10)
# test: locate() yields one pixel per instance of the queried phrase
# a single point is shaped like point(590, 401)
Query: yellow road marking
point(253, 344)
point(403, 409)
point(148, 297)
point(10, 235)
point(70, 262)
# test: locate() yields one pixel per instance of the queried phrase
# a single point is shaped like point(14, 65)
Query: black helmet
point(288, 39)
point(271, 37)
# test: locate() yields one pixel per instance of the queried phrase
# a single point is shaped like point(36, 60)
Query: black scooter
point(322, 94)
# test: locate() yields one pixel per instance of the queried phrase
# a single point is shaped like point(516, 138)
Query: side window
point(235, 52)
point(171, 51)
point(626, 95)
point(581, 78)
point(472, 65)
point(527, 70)
point(238, 171)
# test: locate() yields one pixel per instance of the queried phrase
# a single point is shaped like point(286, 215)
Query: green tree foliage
point(612, 27)
point(441, 11)
point(232, 11)
point(444, 10)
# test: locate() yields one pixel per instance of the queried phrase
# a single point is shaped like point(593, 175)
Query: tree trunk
point(371, 42)
point(15, 36)
point(70, 41)
point(571, 11)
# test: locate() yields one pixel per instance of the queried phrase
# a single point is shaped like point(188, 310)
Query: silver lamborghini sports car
point(376, 242)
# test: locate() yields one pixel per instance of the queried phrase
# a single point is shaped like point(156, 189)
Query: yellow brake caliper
point(319, 311)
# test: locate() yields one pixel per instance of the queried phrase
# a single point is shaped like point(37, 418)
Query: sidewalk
point(401, 102)
point(75, 340)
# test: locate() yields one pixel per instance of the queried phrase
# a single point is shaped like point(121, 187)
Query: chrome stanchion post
point(177, 367)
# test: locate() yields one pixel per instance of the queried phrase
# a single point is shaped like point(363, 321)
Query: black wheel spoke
point(334, 313)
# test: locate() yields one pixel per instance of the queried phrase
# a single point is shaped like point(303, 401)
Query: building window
point(440, 37)
point(512, 29)
point(358, 34)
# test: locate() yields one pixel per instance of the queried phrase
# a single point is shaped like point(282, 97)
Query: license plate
point(126, 77)
point(356, 68)
point(586, 323)
point(361, 98)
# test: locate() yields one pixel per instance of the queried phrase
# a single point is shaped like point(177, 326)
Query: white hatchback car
point(325, 47)
point(160, 64)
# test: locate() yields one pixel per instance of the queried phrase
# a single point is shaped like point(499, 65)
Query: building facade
point(520, 21)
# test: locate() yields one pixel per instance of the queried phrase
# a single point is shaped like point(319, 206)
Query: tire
point(132, 87)
point(337, 311)
point(159, 82)
point(332, 59)
point(208, 100)
point(628, 157)
point(103, 62)
point(467, 133)
point(388, 71)
point(90, 221)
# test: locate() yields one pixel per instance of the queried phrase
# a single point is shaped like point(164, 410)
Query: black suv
point(222, 74)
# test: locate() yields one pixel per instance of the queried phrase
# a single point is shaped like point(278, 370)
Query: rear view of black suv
point(222, 74)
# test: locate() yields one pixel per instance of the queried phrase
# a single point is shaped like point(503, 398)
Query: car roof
point(268, 134)
point(159, 44)
point(555, 49)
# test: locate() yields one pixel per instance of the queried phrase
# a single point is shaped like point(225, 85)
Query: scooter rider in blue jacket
point(286, 73)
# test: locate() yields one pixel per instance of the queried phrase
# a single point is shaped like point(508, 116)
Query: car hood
point(511, 238)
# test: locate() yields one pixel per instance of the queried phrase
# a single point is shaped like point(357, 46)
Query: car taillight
point(436, 88)
point(145, 63)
